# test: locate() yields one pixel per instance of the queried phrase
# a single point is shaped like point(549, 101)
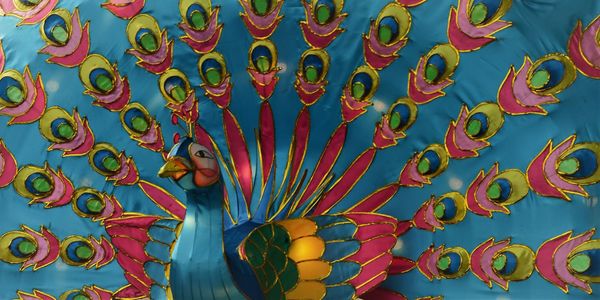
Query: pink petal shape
point(407, 173)
point(326, 161)
point(472, 203)
point(29, 101)
point(380, 49)
point(346, 182)
point(476, 31)
point(68, 191)
point(204, 47)
point(352, 108)
point(423, 85)
point(578, 57)
point(481, 193)
point(416, 95)
point(476, 264)
point(203, 36)
point(377, 199)
point(462, 41)
point(589, 43)
point(486, 263)
point(239, 154)
point(561, 256)
point(551, 172)
point(161, 67)
point(132, 176)
point(510, 104)
point(318, 41)
point(8, 166)
point(537, 178)
point(453, 150)
point(260, 33)
point(87, 145)
point(522, 91)
point(421, 220)
point(38, 107)
point(79, 54)
point(462, 140)
point(375, 60)
point(384, 136)
point(309, 93)
point(544, 260)
point(422, 262)
point(124, 9)
point(432, 261)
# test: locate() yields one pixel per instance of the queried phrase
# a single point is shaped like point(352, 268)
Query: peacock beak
point(175, 167)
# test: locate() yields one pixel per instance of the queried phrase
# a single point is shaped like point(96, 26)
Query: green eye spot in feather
point(499, 263)
point(140, 124)
point(27, 247)
point(431, 73)
point(580, 263)
point(494, 191)
point(444, 263)
point(540, 79)
point(478, 13)
point(94, 205)
point(65, 130)
point(261, 7)
point(198, 20)
point(439, 210)
point(263, 64)
point(213, 76)
point(474, 127)
point(358, 90)
point(395, 120)
point(104, 83)
point(568, 166)
point(110, 163)
point(385, 34)
point(148, 42)
point(15, 94)
point(423, 166)
point(42, 185)
point(323, 13)
point(60, 34)
point(84, 252)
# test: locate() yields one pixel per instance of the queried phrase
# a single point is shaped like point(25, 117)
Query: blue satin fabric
point(539, 27)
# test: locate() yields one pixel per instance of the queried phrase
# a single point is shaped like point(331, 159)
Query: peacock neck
point(199, 270)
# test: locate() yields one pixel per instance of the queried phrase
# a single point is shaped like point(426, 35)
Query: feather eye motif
point(262, 67)
point(142, 127)
point(67, 42)
point(200, 24)
point(216, 80)
point(124, 9)
point(433, 73)
point(584, 48)
point(568, 260)
point(471, 131)
point(500, 262)
point(425, 165)
point(443, 263)
point(44, 185)
point(322, 24)
point(149, 44)
point(28, 11)
point(21, 98)
point(435, 213)
point(358, 91)
point(310, 79)
point(494, 191)
point(564, 169)
point(387, 35)
point(261, 17)
point(87, 292)
point(86, 252)
point(115, 166)
point(103, 82)
point(534, 84)
point(29, 248)
point(181, 98)
point(8, 166)
point(90, 203)
point(473, 24)
point(399, 117)
point(68, 133)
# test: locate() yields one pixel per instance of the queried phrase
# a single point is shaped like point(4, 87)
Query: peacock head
point(191, 165)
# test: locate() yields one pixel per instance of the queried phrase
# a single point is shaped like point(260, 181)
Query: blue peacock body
point(311, 149)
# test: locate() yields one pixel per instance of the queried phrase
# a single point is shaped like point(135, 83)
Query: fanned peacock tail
point(337, 126)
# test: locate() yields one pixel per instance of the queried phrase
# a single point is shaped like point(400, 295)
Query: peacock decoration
point(299, 149)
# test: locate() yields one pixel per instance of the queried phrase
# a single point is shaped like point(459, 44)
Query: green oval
point(439, 210)
point(431, 73)
point(474, 127)
point(139, 124)
point(423, 166)
point(580, 263)
point(499, 263)
point(65, 130)
point(94, 205)
point(42, 185)
point(263, 64)
point(323, 14)
point(27, 247)
point(478, 13)
point(60, 34)
point(494, 191)
point(261, 7)
point(539, 79)
point(104, 83)
point(178, 93)
point(148, 42)
point(198, 20)
point(111, 164)
point(213, 76)
point(568, 166)
point(15, 94)
point(385, 34)
point(395, 120)
point(358, 90)
point(84, 252)
point(444, 263)
point(81, 297)
point(311, 73)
